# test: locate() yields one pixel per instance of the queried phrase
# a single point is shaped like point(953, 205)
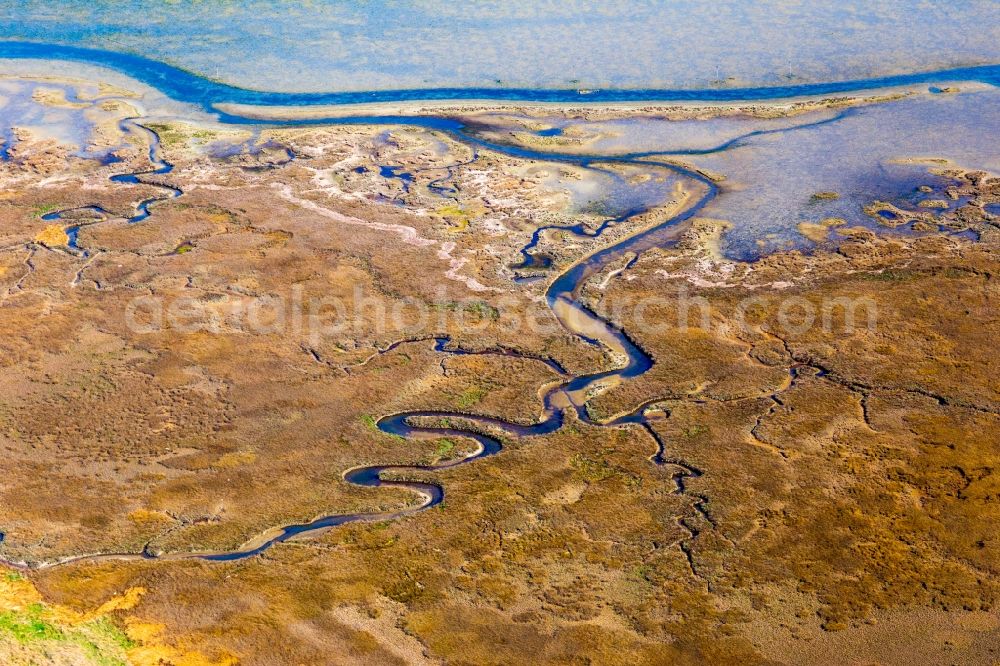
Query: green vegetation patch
point(481, 309)
point(471, 396)
point(444, 448)
point(28, 625)
point(169, 136)
point(695, 430)
point(596, 468)
point(44, 209)
point(37, 628)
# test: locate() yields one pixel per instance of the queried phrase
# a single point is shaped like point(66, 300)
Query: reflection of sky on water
point(574, 43)
point(68, 126)
point(612, 191)
point(770, 182)
point(628, 135)
point(770, 179)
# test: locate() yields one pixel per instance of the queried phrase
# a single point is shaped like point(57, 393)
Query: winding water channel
point(570, 392)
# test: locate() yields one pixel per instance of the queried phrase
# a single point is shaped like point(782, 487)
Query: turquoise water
point(329, 46)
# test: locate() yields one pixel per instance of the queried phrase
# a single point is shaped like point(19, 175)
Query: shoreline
point(185, 86)
point(587, 110)
point(227, 112)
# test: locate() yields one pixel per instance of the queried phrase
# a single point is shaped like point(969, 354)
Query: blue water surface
point(588, 44)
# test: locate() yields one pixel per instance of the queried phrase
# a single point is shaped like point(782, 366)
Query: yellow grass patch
point(235, 459)
point(148, 653)
point(819, 231)
point(53, 235)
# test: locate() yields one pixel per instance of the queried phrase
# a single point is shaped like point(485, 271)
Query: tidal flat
point(569, 414)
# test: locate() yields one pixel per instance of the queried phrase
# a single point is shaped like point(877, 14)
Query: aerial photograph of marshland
point(499, 332)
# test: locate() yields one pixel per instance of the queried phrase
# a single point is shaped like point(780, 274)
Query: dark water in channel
point(572, 391)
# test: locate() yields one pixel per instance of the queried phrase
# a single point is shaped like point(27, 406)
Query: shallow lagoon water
point(644, 134)
point(770, 182)
point(68, 126)
point(575, 44)
point(772, 167)
point(612, 190)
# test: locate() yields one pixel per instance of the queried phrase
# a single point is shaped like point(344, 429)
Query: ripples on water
point(585, 43)
point(770, 177)
point(73, 127)
point(770, 183)
point(876, 152)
